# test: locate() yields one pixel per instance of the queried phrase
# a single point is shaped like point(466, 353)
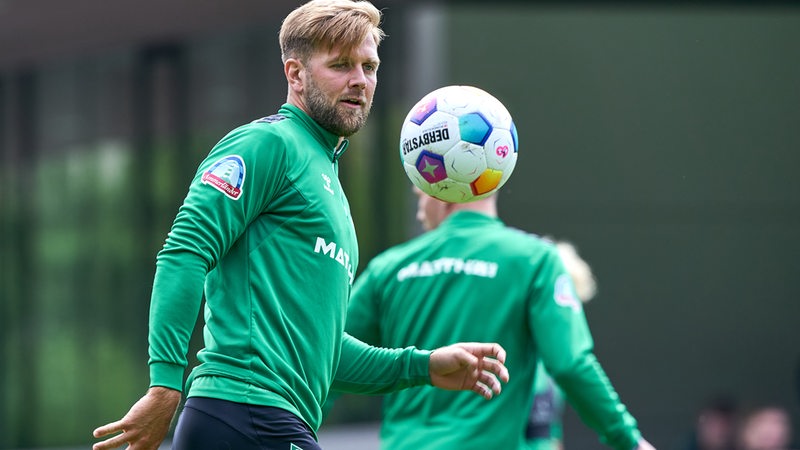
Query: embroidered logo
point(327, 184)
point(270, 119)
point(564, 294)
point(226, 175)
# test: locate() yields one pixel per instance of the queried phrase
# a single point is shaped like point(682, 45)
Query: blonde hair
point(579, 270)
point(323, 24)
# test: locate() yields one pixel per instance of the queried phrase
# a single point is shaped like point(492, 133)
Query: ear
point(295, 74)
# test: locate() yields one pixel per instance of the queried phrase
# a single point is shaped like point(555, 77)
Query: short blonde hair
point(324, 24)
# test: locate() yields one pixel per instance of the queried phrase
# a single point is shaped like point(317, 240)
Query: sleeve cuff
point(166, 375)
point(421, 367)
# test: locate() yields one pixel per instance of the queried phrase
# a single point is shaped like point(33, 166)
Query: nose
point(358, 78)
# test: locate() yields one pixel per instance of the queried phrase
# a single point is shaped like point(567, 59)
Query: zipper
point(337, 152)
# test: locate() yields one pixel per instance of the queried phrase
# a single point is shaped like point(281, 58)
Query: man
point(266, 229)
point(471, 277)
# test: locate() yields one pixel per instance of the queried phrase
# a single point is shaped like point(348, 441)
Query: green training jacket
point(265, 232)
point(474, 279)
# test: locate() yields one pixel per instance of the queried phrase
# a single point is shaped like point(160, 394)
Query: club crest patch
point(226, 175)
point(564, 294)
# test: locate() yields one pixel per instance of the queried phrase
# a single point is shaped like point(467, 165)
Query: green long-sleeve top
point(474, 279)
point(265, 233)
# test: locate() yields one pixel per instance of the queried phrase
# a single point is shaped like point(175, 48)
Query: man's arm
point(364, 369)
point(206, 226)
point(565, 346)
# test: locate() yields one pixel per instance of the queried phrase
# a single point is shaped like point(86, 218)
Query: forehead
point(367, 50)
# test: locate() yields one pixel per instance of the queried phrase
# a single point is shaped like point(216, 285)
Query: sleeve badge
point(226, 175)
point(564, 294)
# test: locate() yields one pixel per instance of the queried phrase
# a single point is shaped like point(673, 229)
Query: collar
point(467, 218)
point(328, 140)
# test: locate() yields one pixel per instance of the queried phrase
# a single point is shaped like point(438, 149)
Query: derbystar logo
point(337, 253)
point(428, 137)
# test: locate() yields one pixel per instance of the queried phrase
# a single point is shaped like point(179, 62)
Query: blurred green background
point(663, 140)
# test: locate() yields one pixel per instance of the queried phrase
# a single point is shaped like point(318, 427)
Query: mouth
point(353, 101)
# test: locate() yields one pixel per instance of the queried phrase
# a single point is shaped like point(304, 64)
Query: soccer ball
point(458, 144)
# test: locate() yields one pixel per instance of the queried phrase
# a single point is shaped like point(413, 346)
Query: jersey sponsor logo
point(564, 293)
point(458, 266)
point(337, 253)
point(226, 175)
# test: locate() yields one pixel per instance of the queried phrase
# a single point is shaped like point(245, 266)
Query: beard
point(339, 121)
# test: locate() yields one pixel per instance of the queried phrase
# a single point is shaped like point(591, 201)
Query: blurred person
point(265, 232)
point(715, 426)
point(545, 429)
point(469, 276)
point(766, 428)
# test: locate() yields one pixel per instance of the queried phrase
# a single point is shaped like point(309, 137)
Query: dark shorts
point(211, 424)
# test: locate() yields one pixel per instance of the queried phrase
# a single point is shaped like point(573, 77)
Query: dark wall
point(664, 143)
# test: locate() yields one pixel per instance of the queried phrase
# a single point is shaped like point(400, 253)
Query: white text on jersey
point(341, 256)
point(474, 267)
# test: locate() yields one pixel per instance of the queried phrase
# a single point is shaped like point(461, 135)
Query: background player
point(471, 277)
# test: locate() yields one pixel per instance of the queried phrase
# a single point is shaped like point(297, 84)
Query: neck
point(486, 206)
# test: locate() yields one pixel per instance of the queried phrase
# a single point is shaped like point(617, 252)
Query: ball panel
point(417, 179)
point(514, 136)
point(474, 128)
point(501, 153)
point(458, 100)
point(422, 110)
point(487, 182)
point(465, 161)
point(431, 167)
point(451, 191)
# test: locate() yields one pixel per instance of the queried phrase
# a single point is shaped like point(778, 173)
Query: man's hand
point(469, 366)
point(145, 425)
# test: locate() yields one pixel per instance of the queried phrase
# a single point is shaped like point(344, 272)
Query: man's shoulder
point(506, 240)
point(258, 129)
point(273, 132)
point(533, 239)
point(274, 118)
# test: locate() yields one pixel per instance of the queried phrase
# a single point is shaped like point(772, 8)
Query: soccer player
point(470, 277)
point(266, 230)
